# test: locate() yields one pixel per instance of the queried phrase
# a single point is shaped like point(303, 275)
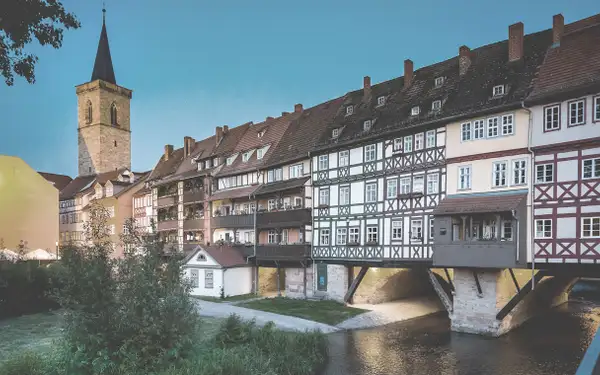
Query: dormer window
point(380, 101)
point(260, 153)
point(207, 163)
point(498, 90)
point(349, 110)
point(246, 156)
point(261, 133)
point(231, 159)
point(367, 125)
point(201, 258)
point(415, 111)
point(335, 133)
point(436, 105)
point(439, 81)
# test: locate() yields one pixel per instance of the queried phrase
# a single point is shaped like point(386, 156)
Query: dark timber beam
point(519, 296)
point(479, 291)
point(512, 274)
point(449, 279)
point(355, 283)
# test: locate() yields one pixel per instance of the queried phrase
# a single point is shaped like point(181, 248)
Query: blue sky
point(198, 64)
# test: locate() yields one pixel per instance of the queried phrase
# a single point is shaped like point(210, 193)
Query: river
point(550, 344)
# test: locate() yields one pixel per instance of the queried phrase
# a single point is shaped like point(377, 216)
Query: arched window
point(113, 115)
point(88, 112)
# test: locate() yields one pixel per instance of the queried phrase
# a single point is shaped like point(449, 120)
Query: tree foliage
point(20, 22)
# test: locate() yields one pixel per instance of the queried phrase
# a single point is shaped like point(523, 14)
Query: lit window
point(552, 118)
point(544, 173)
point(381, 100)
point(396, 230)
point(519, 172)
point(416, 229)
point(370, 153)
point(478, 129)
point(349, 110)
point(464, 177)
point(419, 138)
point(499, 177)
point(439, 81)
point(465, 131)
point(430, 138)
point(498, 90)
point(371, 193)
point(372, 234)
point(335, 133)
point(492, 127)
point(432, 183)
point(392, 188)
point(344, 158)
point(508, 124)
point(543, 228)
point(324, 236)
point(590, 227)
point(344, 195)
point(415, 111)
point(436, 105)
point(577, 113)
point(323, 162)
point(367, 125)
point(408, 144)
point(591, 168)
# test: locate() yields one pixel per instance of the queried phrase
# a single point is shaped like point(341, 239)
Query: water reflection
point(552, 344)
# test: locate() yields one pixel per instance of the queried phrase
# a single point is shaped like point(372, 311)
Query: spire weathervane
point(103, 12)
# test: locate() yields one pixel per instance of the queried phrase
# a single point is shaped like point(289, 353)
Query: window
point(194, 278)
point(419, 141)
point(324, 236)
point(508, 124)
point(397, 144)
point(115, 143)
point(552, 118)
point(465, 131)
point(371, 193)
point(341, 236)
point(323, 162)
point(380, 101)
point(353, 235)
point(231, 159)
point(418, 182)
point(367, 125)
point(507, 230)
point(492, 126)
point(344, 158)
point(590, 227)
point(396, 230)
point(208, 279)
point(260, 153)
point(431, 231)
point(405, 185)
point(415, 111)
point(207, 163)
point(344, 195)
point(439, 81)
point(498, 90)
point(596, 108)
point(246, 156)
point(464, 177)
point(297, 202)
point(335, 133)
point(88, 113)
point(519, 172)
point(272, 236)
point(349, 110)
point(432, 183)
point(271, 204)
point(577, 112)
point(372, 234)
point(275, 175)
point(499, 174)
point(113, 115)
point(392, 189)
point(249, 236)
point(430, 138)
point(260, 134)
point(543, 228)
point(296, 171)
point(544, 173)
point(478, 129)
point(321, 277)
point(436, 105)
point(408, 144)
point(324, 197)
point(591, 168)
point(370, 153)
point(416, 229)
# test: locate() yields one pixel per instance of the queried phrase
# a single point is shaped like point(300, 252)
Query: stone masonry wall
point(389, 284)
point(294, 282)
point(337, 283)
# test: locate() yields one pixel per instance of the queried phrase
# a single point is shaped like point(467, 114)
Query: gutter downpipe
point(312, 223)
point(516, 219)
point(531, 192)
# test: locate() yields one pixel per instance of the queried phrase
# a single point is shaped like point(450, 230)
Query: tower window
point(113, 115)
point(115, 143)
point(88, 112)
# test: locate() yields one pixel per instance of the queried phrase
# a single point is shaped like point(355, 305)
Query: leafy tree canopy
point(20, 22)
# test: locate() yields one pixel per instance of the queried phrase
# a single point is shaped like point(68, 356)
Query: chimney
point(225, 129)
point(298, 108)
point(515, 42)
point(188, 145)
point(285, 113)
point(218, 134)
point(464, 59)
point(168, 151)
point(558, 26)
point(269, 118)
point(408, 72)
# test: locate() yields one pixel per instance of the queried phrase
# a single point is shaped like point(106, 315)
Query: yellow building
point(28, 206)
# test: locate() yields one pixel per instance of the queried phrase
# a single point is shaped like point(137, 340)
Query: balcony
point(282, 252)
point(293, 218)
point(232, 221)
point(169, 200)
point(167, 225)
point(193, 224)
point(193, 196)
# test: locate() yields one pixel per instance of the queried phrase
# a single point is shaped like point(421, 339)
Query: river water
point(550, 344)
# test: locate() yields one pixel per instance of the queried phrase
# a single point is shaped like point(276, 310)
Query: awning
point(281, 186)
point(480, 203)
point(233, 193)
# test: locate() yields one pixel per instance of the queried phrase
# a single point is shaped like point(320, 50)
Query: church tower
point(103, 109)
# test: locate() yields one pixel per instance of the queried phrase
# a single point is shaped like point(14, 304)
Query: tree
point(20, 22)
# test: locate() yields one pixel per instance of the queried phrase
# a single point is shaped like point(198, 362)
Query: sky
point(196, 64)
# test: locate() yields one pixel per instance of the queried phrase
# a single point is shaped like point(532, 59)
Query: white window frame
point(414, 111)
point(341, 236)
point(260, 153)
point(552, 118)
point(380, 101)
point(439, 81)
point(354, 235)
point(594, 167)
point(519, 172)
point(349, 110)
point(396, 230)
point(209, 279)
point(433, 183)
point(323, 197)
point(430, 139)
point(544, 168)
point(479, 129)
point(431, 229)
point(372, 234)
point(408, 143)
point(272, 236)
point(544, 224)
point(370, 153)
point(465, 131)
point(416, 227)
point(296, 170)
point(418, 184)
point(397, 144)
point(579, 107)
point(500, 174)
point(371, 192)
point(508, 124)
point(593, 233)
point(419, 141)
point(392, 188)
point(344, 192)
point(246, 156)
point(464, 175)
point(596, 109)
point(335, 133)
point(344, 158)
point(367, 125)
point(271, 204)
point(324, 237)
point(405, 184)
point(323, 162)
point(436, 105)
point(493, 126)
point(498, 90)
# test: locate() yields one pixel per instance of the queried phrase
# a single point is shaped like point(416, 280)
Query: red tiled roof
point(226, 256)
point(475, 203)
point(60, 181)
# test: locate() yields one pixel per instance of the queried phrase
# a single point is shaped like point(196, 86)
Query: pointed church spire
point(103, 68)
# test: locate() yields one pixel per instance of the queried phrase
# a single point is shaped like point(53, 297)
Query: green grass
point(241, 297)
point(328, 312)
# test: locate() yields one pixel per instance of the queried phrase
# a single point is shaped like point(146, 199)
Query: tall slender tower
point(103, 109)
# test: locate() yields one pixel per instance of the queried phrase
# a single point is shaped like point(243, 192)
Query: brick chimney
point(367, 86)
point(188, 145)
point(168, 151)
point(515, 42)
point(558, 27)
point(285, 113)
point(269, 118)
point(408, 72)
point(218, 134)
point(225, 129)
point(464, 59)
point(298, 108)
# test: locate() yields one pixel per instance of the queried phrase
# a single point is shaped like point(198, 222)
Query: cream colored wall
point(455, 147)
point(28, 206)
